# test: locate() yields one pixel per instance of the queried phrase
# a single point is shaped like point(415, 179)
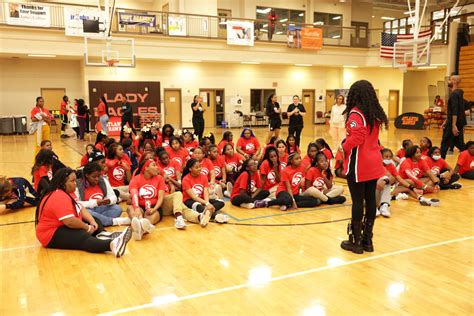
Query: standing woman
point(362, 162)
point(274, 119)
point(296, 111)
point(127, 114)
point(102, 113)
point(64, 109)
point(41, 119)
point(338, 121)
point(81, 118)
point(198, 117)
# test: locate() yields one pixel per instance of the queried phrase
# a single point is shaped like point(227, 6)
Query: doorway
point(223, 15)
point(308, 102)
point(172, 102)
point(360, 36)
point(53, 97)
point(213, 101)
point(393, 98)
point(330, 99)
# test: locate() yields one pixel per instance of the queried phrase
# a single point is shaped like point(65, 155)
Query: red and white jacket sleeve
point(356, 132)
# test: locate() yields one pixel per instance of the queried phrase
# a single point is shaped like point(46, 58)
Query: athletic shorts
point(274, 124)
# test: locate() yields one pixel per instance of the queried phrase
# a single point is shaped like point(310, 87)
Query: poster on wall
point(305, 38)
point(177, 26)
point(78, 19)
point(144, 97)
point(28, 14)
point(240, 33)
point(137, 19)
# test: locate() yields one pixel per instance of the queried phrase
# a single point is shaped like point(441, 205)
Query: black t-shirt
point(272, 115)
point(456, 107)
point(296, 120)
point(197, 115)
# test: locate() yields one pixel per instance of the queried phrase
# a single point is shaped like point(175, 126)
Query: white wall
point(415, 87)
point(21, 81)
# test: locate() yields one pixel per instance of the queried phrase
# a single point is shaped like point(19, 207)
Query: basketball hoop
point(112, 62)
point(404, 65)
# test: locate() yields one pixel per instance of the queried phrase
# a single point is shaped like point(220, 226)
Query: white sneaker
point(179, 223)
point(429, 202)
point(229, 187)
point(377, 212)
point(121, 221)
point(401, 196)
point(147, 226)
point(221, 218)
point(227, 194)
point(137, 229)
point(247, 205)
point(108, 235)
point(205, 217)
point(119, 244)
point(385, 210)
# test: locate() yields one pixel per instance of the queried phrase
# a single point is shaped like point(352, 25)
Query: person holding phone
point(296, 112)
point(198, 116)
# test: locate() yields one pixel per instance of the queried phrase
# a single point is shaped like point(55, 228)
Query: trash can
point(7, 126)
point(20, 124)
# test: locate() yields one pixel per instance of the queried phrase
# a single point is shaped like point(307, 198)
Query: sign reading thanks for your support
point(28, 14)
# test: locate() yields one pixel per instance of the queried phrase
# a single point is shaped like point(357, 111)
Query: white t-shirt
point(337, 118)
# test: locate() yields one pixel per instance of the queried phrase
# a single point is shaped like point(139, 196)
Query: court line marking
point(286, 276)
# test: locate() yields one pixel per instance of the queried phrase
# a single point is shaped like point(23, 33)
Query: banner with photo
point(240, 33)
point(28, 14)
point(177, 26)
point(305, 38)
point(137, 19)
point(76, 19)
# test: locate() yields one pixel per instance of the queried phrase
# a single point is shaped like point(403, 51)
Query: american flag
point(387, 41)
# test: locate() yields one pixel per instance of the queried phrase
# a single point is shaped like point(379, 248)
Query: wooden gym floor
point(263, 262)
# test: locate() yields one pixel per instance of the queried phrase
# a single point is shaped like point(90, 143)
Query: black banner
point(410, 120)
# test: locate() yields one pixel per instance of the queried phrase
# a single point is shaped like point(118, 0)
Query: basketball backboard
point(110, 51)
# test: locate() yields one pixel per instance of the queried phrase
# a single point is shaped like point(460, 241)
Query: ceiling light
point(387, 18)
point(283, 20)
point(301, 14)
point(190, 60)
point(41, 55)
point(373, 16)
point(337, 17)
point(336, 36)
point(250, 62)
point(318, 23)
point(264, 11)
point(304, 65)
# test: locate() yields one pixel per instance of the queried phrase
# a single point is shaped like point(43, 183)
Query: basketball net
point(112, 65)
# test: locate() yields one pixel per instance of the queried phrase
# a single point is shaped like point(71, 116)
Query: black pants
point(63, 122)
point(78, 239)
point(239, 199)
point(198, 125)
point(468, 175)
point(360, 192)
point(128, 120)
point(449, 140)
point(445, 186)
point(198, 207)
point(295, 131)
point(284, 199)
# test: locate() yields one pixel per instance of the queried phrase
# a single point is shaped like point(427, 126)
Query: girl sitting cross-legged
point(247, 190)
point(270, 171)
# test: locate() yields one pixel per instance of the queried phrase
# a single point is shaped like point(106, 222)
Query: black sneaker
point(456, 186)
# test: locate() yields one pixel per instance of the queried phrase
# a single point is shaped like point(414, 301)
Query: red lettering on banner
point(409, 120)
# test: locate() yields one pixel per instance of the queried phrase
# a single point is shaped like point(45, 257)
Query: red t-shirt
point(84, 160)
point(242, 184)
point(218, 164)
point(292, 149)
point(339, 160)
point(413, 170)
point(248, 146)
point(63, 108)
point(315, 176)
point(283, 160)
point(101, 109)
point(424, 153)
point(295, 176)
point(197, 184)
point(222, 144)
point(401, 153)
point(100, 147)
point(116, 171)
point(391, 169)
point(42, 171)
point(234, 161)
point(327, 153)
point(270, 179)
point(181, 156)
point(58, 207)
point(171, 169)
point(306, 162)
point(93, 193)
point(143, 189)
point(436, 165)
point(37, 110)
point(465, 162)
point(191, 145)
point(206, 168)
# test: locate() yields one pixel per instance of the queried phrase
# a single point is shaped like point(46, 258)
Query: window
point(285, 17)
point(258, 99)
point(332, 23)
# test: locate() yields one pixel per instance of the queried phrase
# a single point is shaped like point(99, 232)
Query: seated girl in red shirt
point(62, 223)
point(440, 168)
point(247, 188)
point(319, 182)
point(42, 170)
point(206, 142)
point(176, 152)
point(168, 132)
point(233, 161)
point(248, 145)
point(226, 139)
point(324, 148)
point(196, 194)
point(207, 169)
point(118, 170)
point(189, 142)
point(291, 145)
point(310, 156)
point(465, 163)
point(282, 152)
point(85, 158)
point(425, 145)
point(413, 169)
point(218, 163)
point(270, 171)
point(100, 142)
point(400, 155)
point(288, 191)
point(170, 169)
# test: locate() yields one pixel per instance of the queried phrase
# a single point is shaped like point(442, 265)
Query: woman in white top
point(338, 121)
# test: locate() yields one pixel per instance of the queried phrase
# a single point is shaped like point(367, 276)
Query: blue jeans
point(106, 213)
point(104, 119)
